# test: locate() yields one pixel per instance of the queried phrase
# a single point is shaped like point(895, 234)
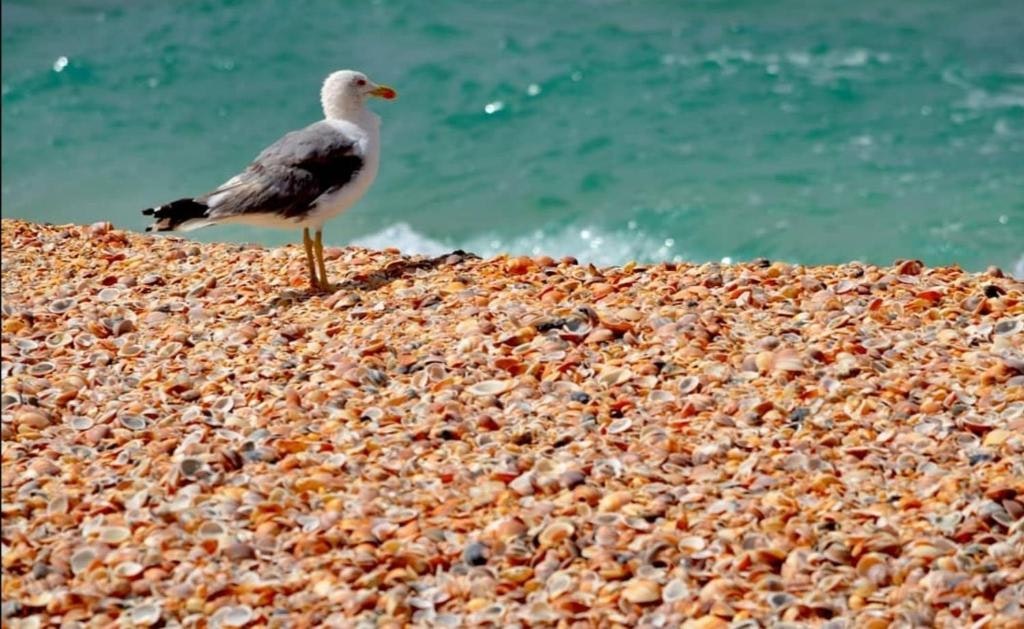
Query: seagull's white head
point(345, 91)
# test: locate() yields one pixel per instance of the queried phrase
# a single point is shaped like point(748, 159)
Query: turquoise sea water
point(806, 130)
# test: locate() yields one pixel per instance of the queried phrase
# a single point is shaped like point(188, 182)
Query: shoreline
point(187, 432)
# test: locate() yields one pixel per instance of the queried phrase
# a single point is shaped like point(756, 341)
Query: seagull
point(303, 180)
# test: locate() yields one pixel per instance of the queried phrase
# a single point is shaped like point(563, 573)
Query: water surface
point(811, 131)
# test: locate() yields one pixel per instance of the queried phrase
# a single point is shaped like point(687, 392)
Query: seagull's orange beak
point(385, 92)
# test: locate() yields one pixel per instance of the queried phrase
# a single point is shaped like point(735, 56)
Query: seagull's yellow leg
point(307, 243)
point(324, 284)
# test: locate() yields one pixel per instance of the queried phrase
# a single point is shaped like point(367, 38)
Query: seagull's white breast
point(367, 134)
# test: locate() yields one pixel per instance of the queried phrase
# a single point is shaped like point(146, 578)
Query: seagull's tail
point(180, 215)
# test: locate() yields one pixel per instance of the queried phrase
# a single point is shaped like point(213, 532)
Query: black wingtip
point(150, 228)
point(148, 211)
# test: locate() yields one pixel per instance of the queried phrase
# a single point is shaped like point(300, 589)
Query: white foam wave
point(586, 244)
point(405, 239)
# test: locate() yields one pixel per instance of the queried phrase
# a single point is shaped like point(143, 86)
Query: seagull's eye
point(360, 82)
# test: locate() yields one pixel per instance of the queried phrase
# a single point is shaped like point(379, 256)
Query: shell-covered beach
point(192, 438)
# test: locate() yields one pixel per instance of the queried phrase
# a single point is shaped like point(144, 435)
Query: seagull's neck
point(357, 113)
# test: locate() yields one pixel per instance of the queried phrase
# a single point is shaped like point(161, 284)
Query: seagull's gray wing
point(290, 175)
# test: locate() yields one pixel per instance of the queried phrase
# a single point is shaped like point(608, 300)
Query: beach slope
point(188, 433)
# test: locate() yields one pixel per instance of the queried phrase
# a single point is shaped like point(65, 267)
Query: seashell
point(611, 376)
point(129, 350)
point(57, 505)
point(787, 360)
point(60, 306)
point(145, 615)
point(223, 404)
point(870, 564)
point(58, 339)
point(42, 599)
point(310, 523)
point(169, 349)
point(133, 422)
point(234, 616)
point(108, 295)
point(845, 286)
point(996, 438)
point(210, 530)
point(558, 583)
point(26, 345)
point(569, 479)
point(689, 384)
point(436, 372)
point(1008, 326)
point(115, 534)
point(779, 600)
point(475, 554)
point(42, 369)
point(614, 501)
point(79, 422)
point(118, 326)
point(692, 544)
point(522, 484)
point(128, 569)
point(575, 329)
point(491, 387)
point(190, 467)
point(509, 528)
point(674, 590)
point(708, 622)
point(660, 396)
point(620, 425)
point(84, 340)
point(556, 532)
point(517, 574)
point(81, 560)
point(637, 523)
point(238, 551)
point(372, 414)
point(641, 591)
point(615, 324)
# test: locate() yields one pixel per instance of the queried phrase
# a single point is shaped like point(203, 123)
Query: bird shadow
point(370, 281)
